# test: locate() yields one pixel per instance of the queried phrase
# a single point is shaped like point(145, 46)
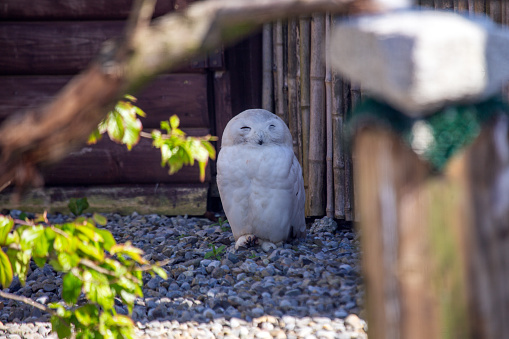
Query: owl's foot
point(248, 240)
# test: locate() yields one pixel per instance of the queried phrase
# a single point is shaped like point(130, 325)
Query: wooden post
point(435, 247)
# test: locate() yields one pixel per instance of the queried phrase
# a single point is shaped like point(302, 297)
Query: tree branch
point(27, 301)
point(48, 133)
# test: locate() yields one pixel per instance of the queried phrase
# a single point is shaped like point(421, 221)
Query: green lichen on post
point(448, 276)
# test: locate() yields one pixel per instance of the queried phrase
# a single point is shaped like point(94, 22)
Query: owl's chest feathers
point(261, 162)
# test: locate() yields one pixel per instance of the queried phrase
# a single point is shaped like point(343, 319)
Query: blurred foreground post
point(434, 204)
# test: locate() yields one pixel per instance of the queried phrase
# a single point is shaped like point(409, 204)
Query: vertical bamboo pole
point(280, 83)
point(267, 81)
point(505, 13)
point(317, 117)
point(329, 210)
point(480, 6)
point(351, 97)
point(461, 6)
point(427, 3)
point(304, 50)
point(444, 4)
point(494, 10)
point(293, 95)
point(338, 159)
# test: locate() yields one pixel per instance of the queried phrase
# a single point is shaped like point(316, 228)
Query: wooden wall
point(44, 43)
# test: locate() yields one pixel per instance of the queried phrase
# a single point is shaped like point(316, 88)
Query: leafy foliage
point(121, 124)
point(95, 267)
point(178, 150)
point(77, 206)
point(223, 223)
point(215, 253)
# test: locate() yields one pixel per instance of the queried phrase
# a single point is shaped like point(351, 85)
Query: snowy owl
point(260, 180)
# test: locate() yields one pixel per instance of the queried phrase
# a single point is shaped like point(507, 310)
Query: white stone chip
point(419, 61)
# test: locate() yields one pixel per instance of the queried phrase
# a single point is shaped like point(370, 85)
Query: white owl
point(260, 180)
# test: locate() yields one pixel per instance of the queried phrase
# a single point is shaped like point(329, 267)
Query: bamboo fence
point(314, 101)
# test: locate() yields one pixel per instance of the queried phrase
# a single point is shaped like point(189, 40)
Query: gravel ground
point(307, 289)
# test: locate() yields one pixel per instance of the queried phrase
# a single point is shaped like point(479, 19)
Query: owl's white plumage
point(260, 179)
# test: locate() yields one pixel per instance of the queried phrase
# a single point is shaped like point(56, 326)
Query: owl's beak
point(260, 141)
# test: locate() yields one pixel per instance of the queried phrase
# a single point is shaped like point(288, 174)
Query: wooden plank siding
point(76, 9)
point(60, 47)
point(108, 163)
point(181, 94)
point(43, 44)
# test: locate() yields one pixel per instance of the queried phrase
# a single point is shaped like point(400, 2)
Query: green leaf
point(91, 250)
point(128, 299)
point(67, 261)
point(87, 315)
point(210, 148)
point(130, 97)
point(203, 166)
point(5, 270)
point(115, 126)
point(20, 262)
point(6, 225)
point(94, 137)
point(78, 206)
point(23, 216)
point(101, 294)
point(160, 272)
point(122, 321)
point(40, 262)
point(132, 132)
point(174, 121)
point(128, 249)
point(12, 238)
point(109, 241)
point(89, 233)
point(140, 112)
point(41, 246)
point(166, 126)
point(71, 288)
point(100, 219)
point(60, 326)
point(61, 243)
point(29, 235)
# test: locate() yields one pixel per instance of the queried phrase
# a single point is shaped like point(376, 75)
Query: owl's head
point(256, 127)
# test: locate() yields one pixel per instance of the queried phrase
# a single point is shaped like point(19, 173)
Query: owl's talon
point(248, 240)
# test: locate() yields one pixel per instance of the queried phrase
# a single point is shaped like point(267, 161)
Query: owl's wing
point(298, 221)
